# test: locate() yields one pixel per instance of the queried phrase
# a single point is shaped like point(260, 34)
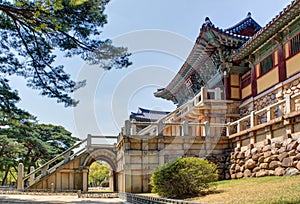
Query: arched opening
point(106, 157)
point(99, 177)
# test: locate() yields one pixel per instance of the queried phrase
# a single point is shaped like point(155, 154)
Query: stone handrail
point(201, 97)
point(288, 102)
point(141, 199)
point(54, 160)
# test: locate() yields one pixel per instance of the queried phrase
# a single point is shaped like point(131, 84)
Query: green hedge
point(183, 177)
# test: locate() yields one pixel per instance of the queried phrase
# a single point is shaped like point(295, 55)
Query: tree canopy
point(23, 139)
point(32, 31)
point(99, 172)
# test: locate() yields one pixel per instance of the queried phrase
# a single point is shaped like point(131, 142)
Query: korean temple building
point(238, 105)
point(237, 97)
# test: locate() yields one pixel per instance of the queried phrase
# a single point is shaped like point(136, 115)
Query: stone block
point(233, 176)
point(297, 157)
point(291, 171)
point(287, 162)
point(282, 156)
point(264, 165)
point(247, 173)
point(254, 150)
point(292, 146)
point(286, 142)
point(298, 166)
point(274, 164)
point(250, 164)
point(261, 173)
point(237, 168)
point(255, 157)
point(298, 147)
point(266, 148)
point(261, 159)
point(271, 173)
point(241, 155)
point(239, 175)
point(276, 145)
point(275, 151)
point(267, 154)
point(281, 150)
point(256, 169)
point(279, 171)
point(292, 153)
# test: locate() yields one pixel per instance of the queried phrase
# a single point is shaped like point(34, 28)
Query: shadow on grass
point(201, 194)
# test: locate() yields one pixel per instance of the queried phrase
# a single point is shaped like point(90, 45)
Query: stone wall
point(275, 158)
point(271, 97)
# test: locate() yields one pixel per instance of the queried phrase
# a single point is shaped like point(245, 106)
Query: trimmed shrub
point(183, 177)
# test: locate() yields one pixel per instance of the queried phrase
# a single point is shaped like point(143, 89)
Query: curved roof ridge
point(243, 24)
point(262, 31)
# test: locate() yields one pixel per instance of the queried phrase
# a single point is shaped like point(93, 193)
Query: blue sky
point(160, 35)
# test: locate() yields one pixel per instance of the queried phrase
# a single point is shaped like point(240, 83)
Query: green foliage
point(183, 177)
point(23, 139)
point(31, 30)
point(99, 171)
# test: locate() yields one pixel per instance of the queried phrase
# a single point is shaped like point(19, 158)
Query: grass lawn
point(276, 190)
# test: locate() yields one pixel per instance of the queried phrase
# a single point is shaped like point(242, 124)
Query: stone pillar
point(58, 182)
point(111, 180)
point(85, 180)
point(71, 180)
point(127, 180)
point(32, 177)
point(20, 182)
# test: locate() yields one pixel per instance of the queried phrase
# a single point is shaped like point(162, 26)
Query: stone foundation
point(275, 158)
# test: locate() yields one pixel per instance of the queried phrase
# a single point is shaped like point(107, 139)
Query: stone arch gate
point(69, 170)
point(132, 159)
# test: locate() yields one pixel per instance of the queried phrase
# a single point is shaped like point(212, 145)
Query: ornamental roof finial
point(249, 15)
point(207, 21)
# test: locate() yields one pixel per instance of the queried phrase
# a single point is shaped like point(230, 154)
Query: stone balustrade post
point(218, 93)
point(288, 104)
point(203, 94)
point(206, 129)
point(185, 128)
point(89, 140)
point(133, 128)
point(228, 129)
point(252, 119)
point(20, 181)
point(160, 128)
point(32, 177)
point(127, 127)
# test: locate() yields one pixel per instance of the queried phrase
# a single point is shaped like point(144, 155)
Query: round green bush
point(183, 177)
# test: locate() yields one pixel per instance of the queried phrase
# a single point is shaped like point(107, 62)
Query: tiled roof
point(148, 115)
point(274, 26)
point(201, 57)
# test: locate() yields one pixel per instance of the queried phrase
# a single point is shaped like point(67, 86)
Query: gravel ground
point(8, 198)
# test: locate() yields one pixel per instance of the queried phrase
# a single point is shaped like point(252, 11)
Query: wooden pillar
point(227, 85)
point(281, 63)
point(253, 76)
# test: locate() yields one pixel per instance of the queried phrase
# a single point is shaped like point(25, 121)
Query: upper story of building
point(252, 65)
